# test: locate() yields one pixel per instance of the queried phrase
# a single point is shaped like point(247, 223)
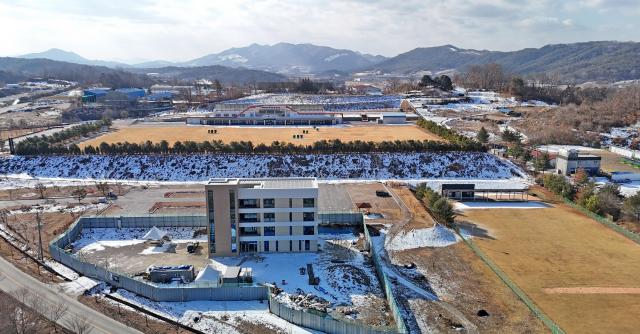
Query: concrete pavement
point(13, 279)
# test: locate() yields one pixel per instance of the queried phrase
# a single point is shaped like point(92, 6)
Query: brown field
point(558, 249)
point(376, 133)
point(466, 285)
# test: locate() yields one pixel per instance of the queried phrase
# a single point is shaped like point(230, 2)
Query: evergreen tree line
point(54, 143)
point(438, 205)
point(465, 144)
point(247, 147)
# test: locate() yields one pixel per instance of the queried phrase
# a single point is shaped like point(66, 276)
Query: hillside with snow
point(200, 167)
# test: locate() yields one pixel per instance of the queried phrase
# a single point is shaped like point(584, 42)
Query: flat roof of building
point(272, 183)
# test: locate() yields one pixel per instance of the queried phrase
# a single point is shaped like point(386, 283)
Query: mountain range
point(577, 62)
point(605, 61)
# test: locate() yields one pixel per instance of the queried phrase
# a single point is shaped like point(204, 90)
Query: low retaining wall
point(157, 292)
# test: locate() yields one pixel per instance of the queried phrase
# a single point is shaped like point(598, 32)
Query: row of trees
point(442, 82)
point(465, 143)
point(438, 205)
point(247, 147)
point(54, 143)
point(604, 200)
point(44, 145)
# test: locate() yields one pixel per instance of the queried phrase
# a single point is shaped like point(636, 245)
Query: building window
point(232, 200)
point(308, 230)
point(291, 202)
point(299, 245)
point(307, 245)
point(308, 202)
point(248, 231)
point(269, 217)
point(291, 245)
point(269, 231)
point(212, 236)
point(268, 203)
point(232, 220)
point(290, 230)
point(249, 218)
point(277, 246)
point(308, 216)
point(249, 204)
point(266, 246)
point(290, 216)
point(210, 200)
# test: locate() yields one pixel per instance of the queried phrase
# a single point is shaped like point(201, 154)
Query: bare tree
point(4, 216)
point(56, 312)
point(79, 324)
point(79, 193)
point(103, 187)
point(41, 190)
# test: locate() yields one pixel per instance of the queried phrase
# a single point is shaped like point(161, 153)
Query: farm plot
point(260, 135)
point(581, 273)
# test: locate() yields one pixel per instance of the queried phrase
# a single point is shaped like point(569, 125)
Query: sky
point(135, 31)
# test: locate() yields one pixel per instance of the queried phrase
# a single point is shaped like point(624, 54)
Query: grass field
point(612, 162)
point(582, 274)
point(376, 133)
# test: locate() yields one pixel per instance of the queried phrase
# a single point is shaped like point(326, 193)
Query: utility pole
point(40, 252)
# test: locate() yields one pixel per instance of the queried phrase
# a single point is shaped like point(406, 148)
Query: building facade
point(262, 215)
point(248, 114)
point(569, 161)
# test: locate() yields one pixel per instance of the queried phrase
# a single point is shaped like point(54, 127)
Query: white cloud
point(180, 30)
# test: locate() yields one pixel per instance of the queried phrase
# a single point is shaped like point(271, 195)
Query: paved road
point(12, 279)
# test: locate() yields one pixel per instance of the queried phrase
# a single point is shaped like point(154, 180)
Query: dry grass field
point(612, 162)
point(576, 270)
point(376, 133)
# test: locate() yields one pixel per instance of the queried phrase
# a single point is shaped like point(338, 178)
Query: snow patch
point(436, 236)
point(335, 56)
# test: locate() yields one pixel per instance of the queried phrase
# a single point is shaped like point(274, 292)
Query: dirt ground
point(377, 133)
point(128, 259)
point(53, 223)
point(557, 248)
point(465, 285)
point(366, 193)
point(60, 192)
point(419, 217)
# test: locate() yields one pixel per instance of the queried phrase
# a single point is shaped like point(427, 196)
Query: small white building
point(569, 161)
point(393, 118)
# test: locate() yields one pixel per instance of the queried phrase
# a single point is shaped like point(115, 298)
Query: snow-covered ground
point(345, 276)
point(329, 102)
point(201, 167)
point(556, 148)
point(479, 102)
point(216, 316)
point(436, 236)
point(55, 207)
point(97, 239)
